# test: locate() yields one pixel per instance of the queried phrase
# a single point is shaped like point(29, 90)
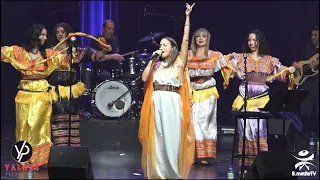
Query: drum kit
point(122, 95)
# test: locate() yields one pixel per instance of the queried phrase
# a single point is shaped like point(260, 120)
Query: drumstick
point(126, 54)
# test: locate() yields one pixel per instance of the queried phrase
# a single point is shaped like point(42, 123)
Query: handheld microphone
point(72, 44)
point(73, 40)
point(156, 55)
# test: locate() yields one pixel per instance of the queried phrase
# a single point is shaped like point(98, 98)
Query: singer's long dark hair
point(263, 48)
point(174, 53)
point(32, 39)
point(67, 29)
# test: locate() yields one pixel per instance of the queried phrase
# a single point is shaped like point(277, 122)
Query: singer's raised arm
point(185, 39)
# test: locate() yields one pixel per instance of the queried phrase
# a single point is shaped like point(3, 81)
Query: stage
point(115, 152)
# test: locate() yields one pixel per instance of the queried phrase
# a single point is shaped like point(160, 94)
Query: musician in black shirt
point(110, 60)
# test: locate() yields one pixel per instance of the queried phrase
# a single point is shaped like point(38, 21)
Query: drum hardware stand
point(83, 98)
point(174, 18)
point(136, 104)
point(155, 43)
point(86, 103)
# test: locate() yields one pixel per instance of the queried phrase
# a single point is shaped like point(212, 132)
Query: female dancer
point(166, 130)
point(202, 64)
point(60, 79)
point(261, 69)
point(35, 96)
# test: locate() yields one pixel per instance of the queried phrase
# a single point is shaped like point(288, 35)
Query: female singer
point(166, 130)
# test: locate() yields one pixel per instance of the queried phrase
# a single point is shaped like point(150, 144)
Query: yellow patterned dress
point(204, 102)
point(34, 98)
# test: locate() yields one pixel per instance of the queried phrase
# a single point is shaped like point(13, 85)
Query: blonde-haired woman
point(202, 64)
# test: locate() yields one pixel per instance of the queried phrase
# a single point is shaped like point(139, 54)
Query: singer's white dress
point(167, 114)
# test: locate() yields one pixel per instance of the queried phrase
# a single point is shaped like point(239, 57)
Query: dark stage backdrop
point(286, 24)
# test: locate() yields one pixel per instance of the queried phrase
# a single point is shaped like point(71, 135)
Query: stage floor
point(115, 152)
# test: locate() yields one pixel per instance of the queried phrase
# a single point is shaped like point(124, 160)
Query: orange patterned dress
point(258, 72)
point(204, 102)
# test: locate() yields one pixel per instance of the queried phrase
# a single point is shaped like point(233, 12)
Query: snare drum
point(112, 98)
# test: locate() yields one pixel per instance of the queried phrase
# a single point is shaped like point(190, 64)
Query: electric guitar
point(306, 69)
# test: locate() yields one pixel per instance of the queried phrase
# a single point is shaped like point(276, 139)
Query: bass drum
point(112, 98)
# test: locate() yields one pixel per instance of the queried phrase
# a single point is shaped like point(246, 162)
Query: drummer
point(110, 60)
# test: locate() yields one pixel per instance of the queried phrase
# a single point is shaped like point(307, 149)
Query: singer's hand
point(189, 9)
point(157, 52)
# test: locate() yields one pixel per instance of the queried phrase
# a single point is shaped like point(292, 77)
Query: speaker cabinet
point(67, 162)
point(272, 165)
point(290, 140)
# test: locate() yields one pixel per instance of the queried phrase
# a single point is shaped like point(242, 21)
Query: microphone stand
point(174, 18)
point(70, 83)
point(245, 112)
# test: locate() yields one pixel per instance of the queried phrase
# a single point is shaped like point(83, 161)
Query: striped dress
point(60, 113)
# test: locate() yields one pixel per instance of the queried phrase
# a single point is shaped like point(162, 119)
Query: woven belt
point(256, 83)
point(33, 77)
point(199, 80)
point(160, 87)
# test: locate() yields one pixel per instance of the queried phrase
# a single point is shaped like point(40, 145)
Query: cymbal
point(153, 35)
point(145, 54)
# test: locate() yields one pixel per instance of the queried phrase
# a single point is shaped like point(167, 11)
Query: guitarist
point(310, 105)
